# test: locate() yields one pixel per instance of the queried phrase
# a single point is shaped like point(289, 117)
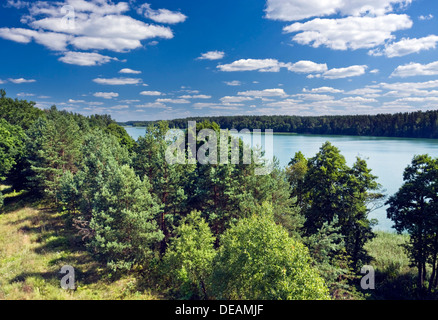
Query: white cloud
point(52, 40)
point(273, 65)
point(161, 15)
point(158, 105)
point(127, 70)
point(323, 90)
point(212, 55)
point(175, 101)
point(106, 95)
point(348, 33)
point(358, 100)
point(339, 73)
point(366, 92)
point(96, 25)
point(21, 80)
point(120, 107)
point(313, 96)
point(262, 65)
point(24, 94)
point(428, 17)
point(294, 10)
point(117, 81)
point(151, 93)
point(75, 101)
point(406, 46)
point(233, 83)
point(306, 66)
point(197, 96)
point(85, 58)
point(263, 93)
point(416, 69)
point(231, 99)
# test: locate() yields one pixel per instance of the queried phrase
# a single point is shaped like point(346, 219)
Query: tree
point(123, 220)
point(330, 189)
point(188, 259)
point(413, 209)
point(113, 208)
point(53, 148)
point(18, 112)
point(11, 147)
point(258, 260)
point(169, 181)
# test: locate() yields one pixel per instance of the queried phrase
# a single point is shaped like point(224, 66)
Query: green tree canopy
point(258, 260)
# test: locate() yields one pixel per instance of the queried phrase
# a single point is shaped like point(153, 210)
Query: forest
point(419, 124)
point(210, 231)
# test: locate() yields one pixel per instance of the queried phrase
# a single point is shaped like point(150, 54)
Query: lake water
point(387, 157)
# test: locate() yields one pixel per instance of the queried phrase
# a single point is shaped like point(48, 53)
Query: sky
point(159, 60)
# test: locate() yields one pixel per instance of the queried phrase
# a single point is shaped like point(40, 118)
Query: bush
point(188, 260)
point(258, 260)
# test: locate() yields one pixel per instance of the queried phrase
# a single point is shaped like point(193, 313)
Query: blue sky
point(153, 60)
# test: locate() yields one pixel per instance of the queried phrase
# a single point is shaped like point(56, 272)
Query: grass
point(395, 279)
point(35, 244)
point(388, 253)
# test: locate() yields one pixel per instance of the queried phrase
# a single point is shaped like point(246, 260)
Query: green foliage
point(123, 220)
point(418, 124)
point(258, 260)
point(188, 259)
point(116, 212)
point(11, 147)
point(413, 209)
point(2, 201)
point(122, 136)
point(330, 188)
point(53, 148)
point(18, 112)
point(169, 181)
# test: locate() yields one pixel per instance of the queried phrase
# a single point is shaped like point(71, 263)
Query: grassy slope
point(34, 245)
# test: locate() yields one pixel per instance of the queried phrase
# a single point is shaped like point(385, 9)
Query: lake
point(387, 157)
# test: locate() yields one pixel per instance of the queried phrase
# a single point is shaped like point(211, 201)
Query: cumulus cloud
point(294, 10)
point(323, 90)
point(264, 93)
point(416, 69)
point(161, 15)
point(350, 32)
point(272, 65)
point(406, 46)
point(85, 58)
point(261, 65)
point(427, 17)
point(130, 71)
point(106, 95)
point(339, 73)
point(21, 80)
point(117, 81)
point(306, 66)
point(233, 83)
point(93, 25)
point(196, 96)
point(175, 101)
point(151, 93)
point(212, 55)
point(234, 99)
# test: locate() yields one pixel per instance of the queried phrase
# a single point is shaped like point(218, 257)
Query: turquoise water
point(387, 157)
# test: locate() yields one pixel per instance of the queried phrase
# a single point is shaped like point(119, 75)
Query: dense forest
point(407, 125)
point(210, 231)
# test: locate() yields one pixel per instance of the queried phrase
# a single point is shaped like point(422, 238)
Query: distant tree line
point(419, 124)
